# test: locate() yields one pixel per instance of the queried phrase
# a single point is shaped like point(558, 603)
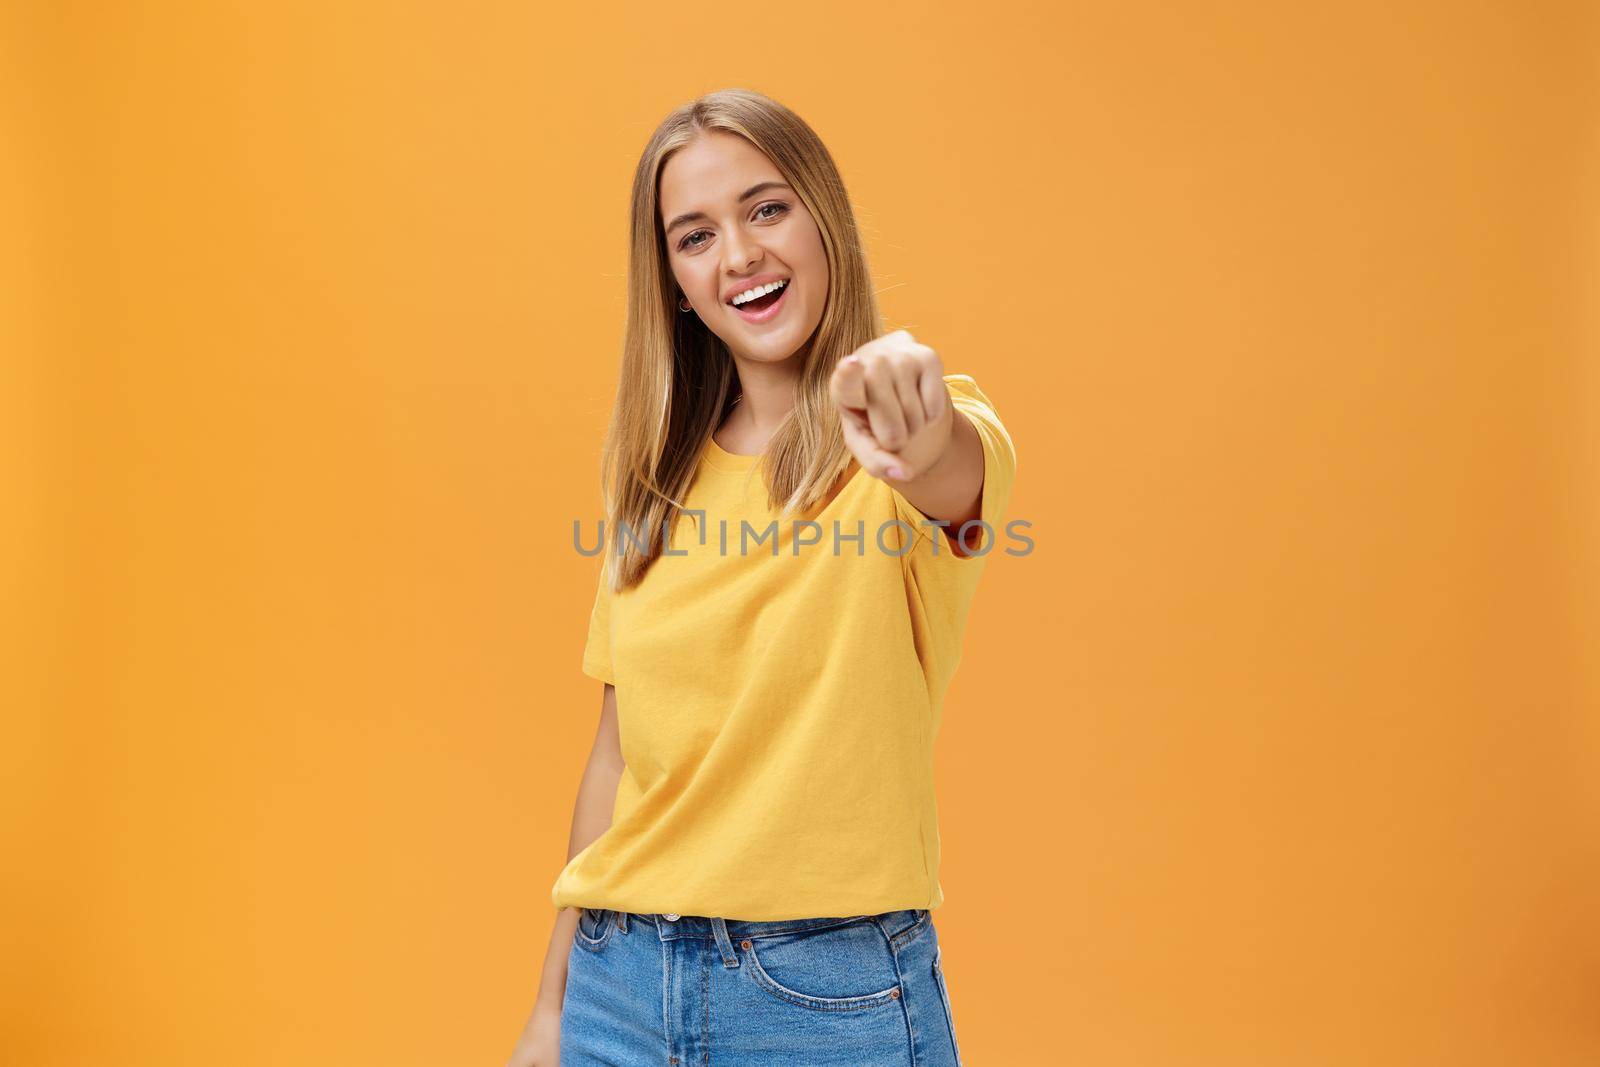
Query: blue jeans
point(856, 991)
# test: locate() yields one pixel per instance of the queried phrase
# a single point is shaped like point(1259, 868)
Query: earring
point(682, 306)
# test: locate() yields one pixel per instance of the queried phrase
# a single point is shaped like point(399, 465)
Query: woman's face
point(724, 233)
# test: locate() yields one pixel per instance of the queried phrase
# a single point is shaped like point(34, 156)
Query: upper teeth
point(760, 290)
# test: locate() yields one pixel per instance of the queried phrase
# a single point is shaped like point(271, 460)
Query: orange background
point(1281, 748)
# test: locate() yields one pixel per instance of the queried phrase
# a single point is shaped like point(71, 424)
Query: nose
point(740, 252)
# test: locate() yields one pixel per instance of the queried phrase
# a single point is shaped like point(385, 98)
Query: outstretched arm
point(899, 423)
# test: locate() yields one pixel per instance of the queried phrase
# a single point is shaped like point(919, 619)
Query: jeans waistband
point(893, 923)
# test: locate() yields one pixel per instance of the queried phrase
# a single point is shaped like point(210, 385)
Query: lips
point(766, 314)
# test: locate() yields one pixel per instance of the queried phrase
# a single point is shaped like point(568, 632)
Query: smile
point(764, 308)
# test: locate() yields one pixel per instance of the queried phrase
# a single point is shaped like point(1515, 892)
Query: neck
point(768, 396)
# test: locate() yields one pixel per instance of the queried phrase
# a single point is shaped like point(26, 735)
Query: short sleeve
point(597, 649)
point(999, 472)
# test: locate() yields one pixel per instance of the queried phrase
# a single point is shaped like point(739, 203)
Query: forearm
point(591, 817)
point(597, 794)
point(952, 489)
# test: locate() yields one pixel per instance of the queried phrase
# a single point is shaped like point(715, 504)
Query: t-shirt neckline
point(721, 459)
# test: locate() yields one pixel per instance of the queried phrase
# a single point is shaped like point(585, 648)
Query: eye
point(783, 209)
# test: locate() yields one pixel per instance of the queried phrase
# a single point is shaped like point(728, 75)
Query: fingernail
point(896, 472)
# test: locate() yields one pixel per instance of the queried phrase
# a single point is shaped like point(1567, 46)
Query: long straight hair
point(677, 379)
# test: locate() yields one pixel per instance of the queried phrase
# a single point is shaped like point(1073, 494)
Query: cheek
point(812, 258)
point(819, 273)
point(695, 280)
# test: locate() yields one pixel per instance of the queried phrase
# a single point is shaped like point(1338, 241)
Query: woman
point(754, 855)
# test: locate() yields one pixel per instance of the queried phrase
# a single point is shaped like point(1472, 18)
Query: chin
point(772, 355)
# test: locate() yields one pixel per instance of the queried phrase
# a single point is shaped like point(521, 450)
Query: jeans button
point(671, 918)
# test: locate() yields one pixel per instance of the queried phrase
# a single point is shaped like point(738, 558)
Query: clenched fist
point(896, 411)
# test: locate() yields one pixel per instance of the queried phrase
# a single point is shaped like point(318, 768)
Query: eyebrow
point(701, 216)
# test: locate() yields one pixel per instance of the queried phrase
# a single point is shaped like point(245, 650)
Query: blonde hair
point(677, 380)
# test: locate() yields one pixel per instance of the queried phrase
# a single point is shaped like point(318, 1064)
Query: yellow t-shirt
point(779, 689)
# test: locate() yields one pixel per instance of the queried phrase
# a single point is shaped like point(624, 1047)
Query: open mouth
point(764, 307)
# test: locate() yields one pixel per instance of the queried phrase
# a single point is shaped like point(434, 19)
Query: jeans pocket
point(921, 922)
point(595, 926)
point(849, 967)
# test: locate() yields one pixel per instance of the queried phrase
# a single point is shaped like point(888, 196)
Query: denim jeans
point(690, 990)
